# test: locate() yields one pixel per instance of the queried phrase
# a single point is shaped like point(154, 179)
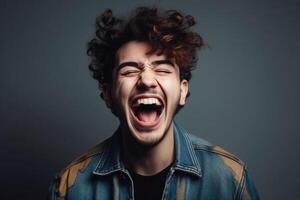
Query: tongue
point(146, 116)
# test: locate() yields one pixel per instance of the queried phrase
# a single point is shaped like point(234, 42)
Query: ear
point(184, 88)
point(106, 94)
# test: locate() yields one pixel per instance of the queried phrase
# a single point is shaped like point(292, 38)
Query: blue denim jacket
point(200, 171)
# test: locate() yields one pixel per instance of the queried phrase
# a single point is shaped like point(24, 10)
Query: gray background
point(244, 95)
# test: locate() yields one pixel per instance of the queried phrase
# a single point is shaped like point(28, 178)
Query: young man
point(143, 67)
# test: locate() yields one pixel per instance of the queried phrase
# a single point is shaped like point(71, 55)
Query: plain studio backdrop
point(244, 93)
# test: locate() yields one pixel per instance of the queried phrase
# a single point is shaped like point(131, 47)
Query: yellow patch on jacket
point(68, 176)
point(233, 163)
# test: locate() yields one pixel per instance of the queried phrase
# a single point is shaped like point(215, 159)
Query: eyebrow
point(159, 62)
point(124, 64)
point(137, 65)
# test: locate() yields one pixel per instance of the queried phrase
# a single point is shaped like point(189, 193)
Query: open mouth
point(147, 111)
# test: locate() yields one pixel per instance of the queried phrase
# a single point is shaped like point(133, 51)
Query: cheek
point(171, 87)
point(122, 90)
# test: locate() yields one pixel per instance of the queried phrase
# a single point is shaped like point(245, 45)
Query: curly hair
point(167, 33)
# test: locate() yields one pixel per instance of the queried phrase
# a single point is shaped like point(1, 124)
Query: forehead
point(136, 51)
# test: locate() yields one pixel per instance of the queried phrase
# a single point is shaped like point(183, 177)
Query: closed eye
point(163, 71)
point(163, 67)
point(129, 69)
point(131, 72)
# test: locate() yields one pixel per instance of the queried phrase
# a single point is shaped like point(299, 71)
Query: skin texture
point(140, 75)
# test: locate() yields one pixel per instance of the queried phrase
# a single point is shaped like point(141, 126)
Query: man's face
point(145, 92)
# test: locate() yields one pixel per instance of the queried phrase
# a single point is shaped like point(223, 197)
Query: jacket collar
point(110, 161)
point(185, 157)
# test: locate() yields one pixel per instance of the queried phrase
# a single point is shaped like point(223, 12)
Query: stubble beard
point(134, 143)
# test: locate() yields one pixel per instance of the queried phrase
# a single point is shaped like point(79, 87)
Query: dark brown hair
point(167, 32)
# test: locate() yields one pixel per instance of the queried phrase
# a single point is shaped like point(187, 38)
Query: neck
point(147, 161)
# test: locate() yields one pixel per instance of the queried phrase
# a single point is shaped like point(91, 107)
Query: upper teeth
point(148, 101)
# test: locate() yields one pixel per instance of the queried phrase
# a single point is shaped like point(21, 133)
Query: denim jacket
point(199, 171)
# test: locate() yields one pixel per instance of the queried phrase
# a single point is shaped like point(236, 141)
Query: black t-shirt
point(149, 187)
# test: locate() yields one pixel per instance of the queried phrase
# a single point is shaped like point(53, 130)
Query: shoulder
point(214, 157)
point(67, 177)
point(223, 170)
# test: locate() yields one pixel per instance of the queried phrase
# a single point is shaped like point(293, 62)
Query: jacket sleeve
point(52, 193)
point(246, 189)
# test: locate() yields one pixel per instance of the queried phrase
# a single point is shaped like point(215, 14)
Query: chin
point(148, 139)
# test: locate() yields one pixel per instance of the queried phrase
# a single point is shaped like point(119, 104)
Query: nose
point(147, 79)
